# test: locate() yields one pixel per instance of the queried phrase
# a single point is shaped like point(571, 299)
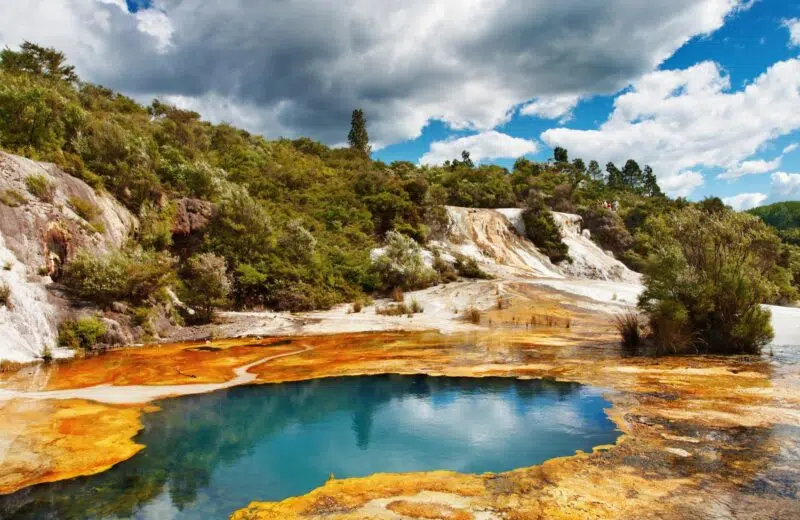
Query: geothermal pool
point(208, 455)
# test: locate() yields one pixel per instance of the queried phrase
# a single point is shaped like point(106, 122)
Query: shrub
point(12, 198)
point(473, 315)
point(608, 230)
point(207, 283)
point(468, 268)
point(398, 295)
point(84, 208)
point(41, 187)
point(401, 265)
point(443, 268)
point(542, 230)
point(357, 306)
point(630, 327)
point(81, 334)
point(129, 275)
point(400, 309)
point(5, 295)
point(415, 307)
point(706, 279)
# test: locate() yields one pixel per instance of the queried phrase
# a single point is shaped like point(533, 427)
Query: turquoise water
point(209, 455)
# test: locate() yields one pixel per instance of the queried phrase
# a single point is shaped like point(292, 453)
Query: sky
point(705, 91)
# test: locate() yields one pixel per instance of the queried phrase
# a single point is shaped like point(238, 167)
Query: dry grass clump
point(12, 198)
point(630, 327)
point(40, 187)
point(400, 309)
point(398, 296)
point(473, 315)
point(5, 295)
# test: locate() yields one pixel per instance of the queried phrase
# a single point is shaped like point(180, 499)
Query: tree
point(594, 171)
point(208, 285)
point(706, 279)
point(651, 187)
point(401, 265)
point(579, 165)
point(542, 229)
point(358, 136)
point(632, 175)
point(614, 180)
point(37, 60)
point(560, 155)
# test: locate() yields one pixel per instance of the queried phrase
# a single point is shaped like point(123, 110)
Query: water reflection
point(208, 455)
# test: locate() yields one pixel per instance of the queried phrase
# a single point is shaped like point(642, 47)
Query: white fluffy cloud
point(681, 184)
point(551, 107)
point(745, 201)
point(486, 145)
point(308, 63)
point(785, 186)
point(794, 30)
point(679, 120)
point(753, 167)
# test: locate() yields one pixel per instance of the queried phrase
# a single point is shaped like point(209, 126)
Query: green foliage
point(81, 334)
point(39, 61)
point(12, 198)
point(607, 229)
point(401, 265)
point(84, 208)
point(41, 188)
point(543, 231)
point(706, 278)
point(783, 216)
point(358, 136)
point(129, 275)
point(469, 268)
point(207, 284)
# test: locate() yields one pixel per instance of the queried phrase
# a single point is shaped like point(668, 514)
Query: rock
point(119, 308)
point(192, 216)
point(115, 334)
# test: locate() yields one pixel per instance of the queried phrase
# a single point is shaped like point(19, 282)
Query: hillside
point(783, 216)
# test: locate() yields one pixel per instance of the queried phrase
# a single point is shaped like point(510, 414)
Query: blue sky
point(745, 47)
point(705, 91)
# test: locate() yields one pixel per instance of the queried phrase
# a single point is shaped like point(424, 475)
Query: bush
point(81, 334)
point(401, 265)
point(131, 275)
point(608, 230)
point(542, 230)
point(207, 283)
point(468, 268)
point(473, 315)
point(630, 328)
point(706, 279)
point(443, 268)
point(12, 198)
point(41, 187)
point(84, 208)
point(5, 295)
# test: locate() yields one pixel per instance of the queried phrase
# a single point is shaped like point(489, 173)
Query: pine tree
point(651, 187)
point(560, 155)
point(632, 175)
point(594, 171)
point(358, 136)
point(614, 176)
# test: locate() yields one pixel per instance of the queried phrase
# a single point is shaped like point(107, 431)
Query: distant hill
point(783, 216)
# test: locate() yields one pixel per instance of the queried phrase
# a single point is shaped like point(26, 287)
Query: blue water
point(209, 455)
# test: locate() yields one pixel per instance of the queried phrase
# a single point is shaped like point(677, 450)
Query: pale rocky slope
point(36, 238)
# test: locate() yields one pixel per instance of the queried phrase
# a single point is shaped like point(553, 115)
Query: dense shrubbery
point(705, 281)
point(81, 334)
point(130, 275)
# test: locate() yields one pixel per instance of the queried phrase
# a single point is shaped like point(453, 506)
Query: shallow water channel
point(208, 455)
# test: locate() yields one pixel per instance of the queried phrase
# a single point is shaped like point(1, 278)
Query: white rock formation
point(39, 236)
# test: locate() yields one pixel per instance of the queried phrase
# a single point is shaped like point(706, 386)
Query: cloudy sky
point(706, 91)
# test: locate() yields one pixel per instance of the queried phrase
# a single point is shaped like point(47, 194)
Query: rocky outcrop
point(37, 237)
point(497, 239)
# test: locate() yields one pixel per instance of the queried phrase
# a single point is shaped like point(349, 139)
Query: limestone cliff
point(36, 238)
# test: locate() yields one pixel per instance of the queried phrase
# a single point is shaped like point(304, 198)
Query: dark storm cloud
point(300, 66)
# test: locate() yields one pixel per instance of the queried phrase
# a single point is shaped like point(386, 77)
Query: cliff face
point(36, 238)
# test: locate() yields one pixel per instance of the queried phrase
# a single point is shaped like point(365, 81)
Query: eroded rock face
point(37, 238)
point(192, 216)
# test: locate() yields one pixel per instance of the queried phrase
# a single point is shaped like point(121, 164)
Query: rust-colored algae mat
point(703, 437)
